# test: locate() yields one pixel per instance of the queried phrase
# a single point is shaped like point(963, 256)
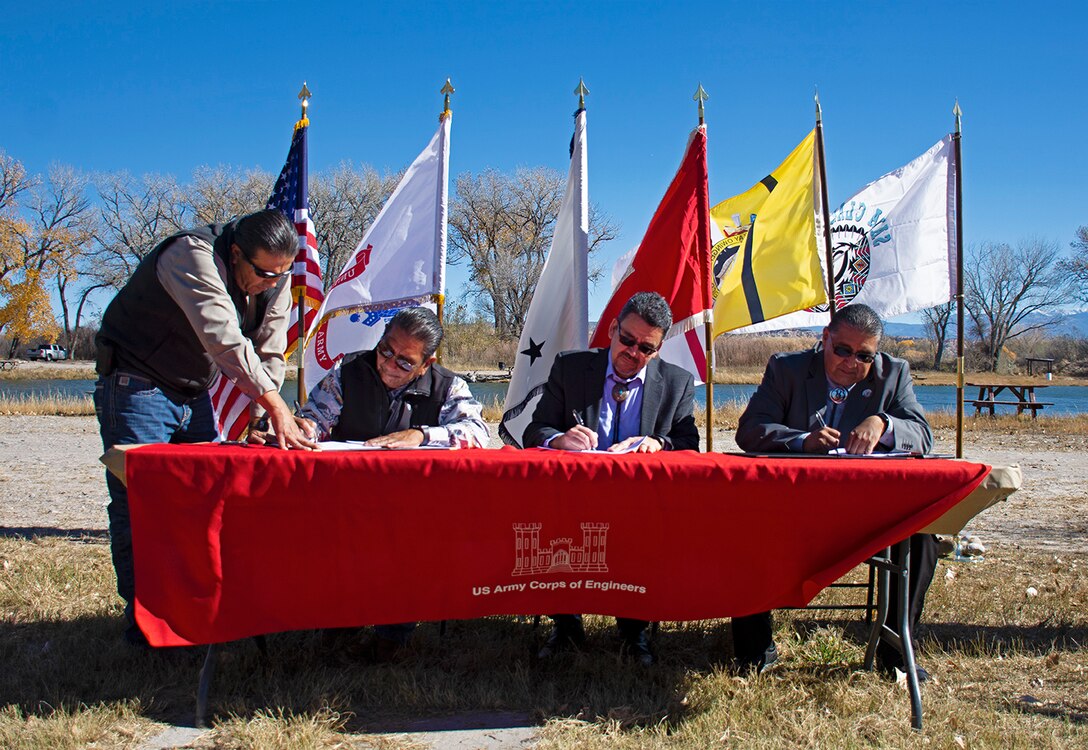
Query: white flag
point(893, 243)
point(400, 262)
point(558, 317)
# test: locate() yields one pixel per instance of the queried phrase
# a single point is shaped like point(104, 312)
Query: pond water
point(1067, 399)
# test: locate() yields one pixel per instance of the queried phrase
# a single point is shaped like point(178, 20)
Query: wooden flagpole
point(956, 138)
point(824, 206)
point(439, 298)
point(304, 96)
point(700, 97)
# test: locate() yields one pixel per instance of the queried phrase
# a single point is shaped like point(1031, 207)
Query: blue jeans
point(132, 409)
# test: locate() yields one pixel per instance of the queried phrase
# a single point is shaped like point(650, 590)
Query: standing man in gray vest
point(205, 300)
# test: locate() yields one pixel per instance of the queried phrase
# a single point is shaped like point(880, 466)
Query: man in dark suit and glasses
point(844, 393)
point(611, 399)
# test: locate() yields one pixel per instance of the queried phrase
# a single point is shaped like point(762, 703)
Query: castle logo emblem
point(560, 556)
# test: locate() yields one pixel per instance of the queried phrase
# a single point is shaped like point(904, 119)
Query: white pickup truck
point(47, 352)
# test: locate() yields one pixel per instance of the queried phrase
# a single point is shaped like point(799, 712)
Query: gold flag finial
point(447, 90)
point(581, 91)
point(958, 113)
point(304, 96)
point(819, 110)
point(701, 96)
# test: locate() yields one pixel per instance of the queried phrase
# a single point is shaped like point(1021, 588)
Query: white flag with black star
point(558, 316)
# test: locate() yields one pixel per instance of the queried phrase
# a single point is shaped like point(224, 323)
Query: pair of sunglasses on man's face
point(262, 273)
point(628, 341)
point(386, 352)
point(865, 358)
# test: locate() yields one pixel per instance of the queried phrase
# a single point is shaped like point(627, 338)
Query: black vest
point(151, 336)
point(367, 404)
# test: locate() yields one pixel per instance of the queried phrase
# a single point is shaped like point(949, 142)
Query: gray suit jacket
point(794, 389)
point(576, 383)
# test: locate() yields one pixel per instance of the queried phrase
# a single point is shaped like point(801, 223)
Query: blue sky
point(166, 87)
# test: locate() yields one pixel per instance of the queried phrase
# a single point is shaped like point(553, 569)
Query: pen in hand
point(577, 417)
point(820, 419)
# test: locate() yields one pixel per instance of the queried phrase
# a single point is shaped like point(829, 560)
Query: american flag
point(290, 195)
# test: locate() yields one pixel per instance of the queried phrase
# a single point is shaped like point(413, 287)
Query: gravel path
point(52, 483)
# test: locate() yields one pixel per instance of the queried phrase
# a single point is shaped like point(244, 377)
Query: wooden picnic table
point(1020, 395)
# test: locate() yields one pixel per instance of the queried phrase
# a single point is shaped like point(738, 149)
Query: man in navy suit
point(845, 394)
point(611, 399)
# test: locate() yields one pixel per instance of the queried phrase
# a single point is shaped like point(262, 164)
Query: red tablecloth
point(232, 542)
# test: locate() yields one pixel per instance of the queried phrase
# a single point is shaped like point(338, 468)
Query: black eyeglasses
point(263, 273)
point(866, 358)
point(386, 353)
point(647, 349)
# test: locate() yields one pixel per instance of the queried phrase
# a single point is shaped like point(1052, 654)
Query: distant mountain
point(1075, 324)
point(906, 330)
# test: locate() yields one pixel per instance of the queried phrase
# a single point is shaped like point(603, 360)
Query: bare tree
point(218, 194)
point(135, 214)
point(1012, 290)
point(502, 226)
point(61, 229)
point(345, 201)
point(936, 320)
point(1077, 266)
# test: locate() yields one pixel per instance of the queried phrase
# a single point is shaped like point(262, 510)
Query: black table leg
point(207, 672)
point(901, 641)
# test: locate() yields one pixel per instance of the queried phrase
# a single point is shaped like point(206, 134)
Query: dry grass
point(54, 404)
point(51, 371)
point(68, 682)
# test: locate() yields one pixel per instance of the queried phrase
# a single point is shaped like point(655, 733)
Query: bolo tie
point(838, 396)
point(620, 392)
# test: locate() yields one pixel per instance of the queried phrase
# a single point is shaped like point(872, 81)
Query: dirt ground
point(51, 482)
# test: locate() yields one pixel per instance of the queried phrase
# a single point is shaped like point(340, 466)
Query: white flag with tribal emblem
point(893, 243)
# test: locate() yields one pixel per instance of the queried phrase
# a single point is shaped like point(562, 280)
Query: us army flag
point(893, 243)
point(400, 262)
point(767, 256)
point(558, 317)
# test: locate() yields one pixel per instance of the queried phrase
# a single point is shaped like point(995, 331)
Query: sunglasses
point(628, 341)
point(864, 358)
point(261, 273)
point(386, 353)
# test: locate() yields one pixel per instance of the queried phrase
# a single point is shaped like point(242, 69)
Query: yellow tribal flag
point(766, 257)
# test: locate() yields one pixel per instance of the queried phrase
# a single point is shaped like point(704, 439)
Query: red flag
point(674, 261)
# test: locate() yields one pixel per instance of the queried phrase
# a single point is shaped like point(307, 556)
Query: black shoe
point(638, 648)
point(889, 667)
point(564, 637)
point(758, 665)
point(919, 672)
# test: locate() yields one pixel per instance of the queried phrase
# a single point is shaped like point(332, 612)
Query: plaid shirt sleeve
point(461, 421)
point(325, 403)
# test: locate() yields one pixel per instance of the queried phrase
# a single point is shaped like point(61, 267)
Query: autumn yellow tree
point(47, 226)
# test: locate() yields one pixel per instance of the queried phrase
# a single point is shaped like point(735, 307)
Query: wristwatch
point(426, 435)
point(886, 420)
